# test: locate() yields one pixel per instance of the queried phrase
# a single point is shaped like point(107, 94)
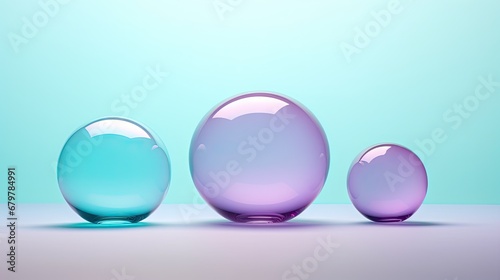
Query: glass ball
point(113, 170)
point(259, 158)
point(387, 183)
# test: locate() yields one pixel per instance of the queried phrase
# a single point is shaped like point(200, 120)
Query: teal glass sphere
point(114, 170)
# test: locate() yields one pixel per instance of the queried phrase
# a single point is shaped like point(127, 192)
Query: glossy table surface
point(454, 242)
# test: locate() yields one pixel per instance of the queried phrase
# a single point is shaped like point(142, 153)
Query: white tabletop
point(454, 242)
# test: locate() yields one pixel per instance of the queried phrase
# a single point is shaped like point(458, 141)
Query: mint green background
point(396, 90)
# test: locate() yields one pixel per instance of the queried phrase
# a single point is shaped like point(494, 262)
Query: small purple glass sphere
point(259, 158)
point(387, 183)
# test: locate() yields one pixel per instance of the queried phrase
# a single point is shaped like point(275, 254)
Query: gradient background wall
point(80, 60)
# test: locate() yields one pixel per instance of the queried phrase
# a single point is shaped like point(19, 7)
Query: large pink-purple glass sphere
point(387, 183)
point(259, 158)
